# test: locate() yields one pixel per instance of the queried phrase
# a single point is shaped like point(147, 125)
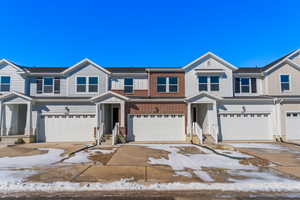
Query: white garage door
point(71, 128)
point(156, 127)
point(250, 126)
point(293, 125)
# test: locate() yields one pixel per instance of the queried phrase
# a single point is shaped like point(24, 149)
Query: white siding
point(191, 78)
point(139, 83)
point(17, 81)
point(88, 70)
point(60, 108)
point(63, 88)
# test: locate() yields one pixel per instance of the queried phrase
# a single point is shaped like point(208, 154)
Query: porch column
point(3, 120)
point(189, 133)
point(28, 127)
point(215, 124)
point(122, 118)
point(1, 116)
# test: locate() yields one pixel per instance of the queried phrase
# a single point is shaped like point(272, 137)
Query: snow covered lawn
point(207, 166)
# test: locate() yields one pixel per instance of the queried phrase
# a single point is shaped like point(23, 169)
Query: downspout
point(149, 82)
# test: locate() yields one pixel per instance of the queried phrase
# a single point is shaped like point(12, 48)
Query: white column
point(3, 119)
point(28, 127)
point(215, 125)
point(122, 118)
point(189, 132)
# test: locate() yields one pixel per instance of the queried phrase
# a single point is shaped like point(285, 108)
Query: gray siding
point(17, 81)
point(60, 108)
point(88, 70)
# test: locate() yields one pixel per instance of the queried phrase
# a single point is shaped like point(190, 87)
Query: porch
point(202, 120)
point(16, 119)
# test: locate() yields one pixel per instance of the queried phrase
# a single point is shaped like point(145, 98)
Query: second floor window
point(211, 83)
point(128, 85)
point(285, 83)
point(87, 84)
point(245, 85)
point(48, 85)
point(5, 83)
point(167, 84)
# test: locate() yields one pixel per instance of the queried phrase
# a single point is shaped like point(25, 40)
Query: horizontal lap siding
point(135, 92)
point(61, 108)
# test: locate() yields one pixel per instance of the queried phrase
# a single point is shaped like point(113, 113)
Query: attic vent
point(208, 63)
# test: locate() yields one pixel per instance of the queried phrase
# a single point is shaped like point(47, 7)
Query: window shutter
point(237, 85)
point(56, 85)
point(253, 85)
point(39, 85)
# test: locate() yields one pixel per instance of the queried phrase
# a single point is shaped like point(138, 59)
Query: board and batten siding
point(191, 78)
point(139, 83)
point(87, 70)
point(17, 82)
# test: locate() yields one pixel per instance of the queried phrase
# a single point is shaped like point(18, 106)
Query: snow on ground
point(235, 154)
point(52, 156)
point(179, 162)
point(103, 151)
point(80, 157)
point(125, 185)
point(196, 162)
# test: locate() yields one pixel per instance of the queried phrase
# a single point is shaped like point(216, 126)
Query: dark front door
point(115, 116)
point(194, 114)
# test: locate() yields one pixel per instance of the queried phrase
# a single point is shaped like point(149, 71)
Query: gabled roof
point(14, 93)
point(285, 60)
point(109, 93)
point(45, 69)
point(17, 67)
point(210, 54)
point(249, 70)
point(204, 94)
point(86, 60)
point(268, 66)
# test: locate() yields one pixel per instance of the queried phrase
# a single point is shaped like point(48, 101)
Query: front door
point(115, 117)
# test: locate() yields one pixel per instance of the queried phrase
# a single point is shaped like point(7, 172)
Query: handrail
point(197, 130)
point(115, 133)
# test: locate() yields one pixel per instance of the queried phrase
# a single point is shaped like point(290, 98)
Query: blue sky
point(147, 33)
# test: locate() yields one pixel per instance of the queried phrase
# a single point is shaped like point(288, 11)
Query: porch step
point(107, 139)
point(208, 139)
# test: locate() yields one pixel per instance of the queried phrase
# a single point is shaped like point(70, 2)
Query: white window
point(5, 83)
point(48, 85)
point(245, 85)
point(206, 83)
point(167, 84)
point(285, 82)
point(86, 84)
point(128, 85)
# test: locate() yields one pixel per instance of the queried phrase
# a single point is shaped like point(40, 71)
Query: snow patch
point(203, 175)
point(80, 157)
point(103, 151)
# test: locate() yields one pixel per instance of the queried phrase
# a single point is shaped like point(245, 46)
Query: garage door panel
point(74, 128)
point(156, 127)
point(245, 127)
point(293, 125)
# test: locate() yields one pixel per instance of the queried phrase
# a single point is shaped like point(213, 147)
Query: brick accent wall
point(140, 93)
point(153, 88)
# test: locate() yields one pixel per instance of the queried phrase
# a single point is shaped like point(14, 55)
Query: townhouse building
point(209, 98)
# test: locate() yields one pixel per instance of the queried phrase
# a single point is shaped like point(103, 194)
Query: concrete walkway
point(286, 160)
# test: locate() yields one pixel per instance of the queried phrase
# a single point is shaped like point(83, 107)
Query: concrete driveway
point(285, 157)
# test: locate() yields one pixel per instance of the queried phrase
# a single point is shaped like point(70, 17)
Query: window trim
point(209, 83)
point(9, 84)
point(128, 85)
point(290, 83)
point(86, 85)
point(167, 84)
point(43, 85)
point(250, 85)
